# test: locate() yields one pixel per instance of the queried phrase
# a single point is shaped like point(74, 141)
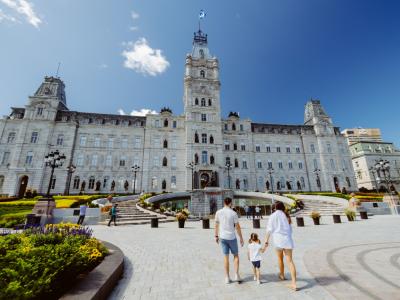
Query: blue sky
point(274, 56)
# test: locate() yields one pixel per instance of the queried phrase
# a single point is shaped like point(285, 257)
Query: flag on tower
point(202, 14)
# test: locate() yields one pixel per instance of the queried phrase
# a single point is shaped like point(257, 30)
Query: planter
point(316, 221)
point(336, 219)
point(154, 223)
point(300, 221)
point(363, 215)
point(181, 223)
point(206, 223)
point(256, 223)
point(350, 218)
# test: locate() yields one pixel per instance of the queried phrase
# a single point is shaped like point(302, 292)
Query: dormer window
point(166, 123)
point(233, 126)
point(39, 111)
point(201, 51)
point(202, 74)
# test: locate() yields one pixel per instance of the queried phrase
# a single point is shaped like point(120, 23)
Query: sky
point(128, 56)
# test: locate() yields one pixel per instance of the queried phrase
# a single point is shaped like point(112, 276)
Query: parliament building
point(197, 149)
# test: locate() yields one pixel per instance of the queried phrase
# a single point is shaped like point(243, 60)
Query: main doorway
point(23, 183)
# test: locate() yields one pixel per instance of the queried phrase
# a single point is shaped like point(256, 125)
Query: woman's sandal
point(282, 277)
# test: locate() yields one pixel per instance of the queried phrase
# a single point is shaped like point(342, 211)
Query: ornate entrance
point(204, 180)
point(23, 183)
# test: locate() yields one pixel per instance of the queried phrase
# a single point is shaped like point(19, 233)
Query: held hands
point(241, 242)
point(217, 239)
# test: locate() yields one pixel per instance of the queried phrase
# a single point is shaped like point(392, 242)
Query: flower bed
point(43, 264)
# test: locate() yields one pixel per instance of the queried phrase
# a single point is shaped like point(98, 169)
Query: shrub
point(181, 216)
point(315, 215)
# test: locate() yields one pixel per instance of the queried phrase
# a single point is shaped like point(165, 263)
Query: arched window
point(209, 102)
point(166, 123)
point(212, 160)
point(202, 74)
point(164, 184)
point(1, 182)
point(234, 146)
point(233, 126)
point(164, 162)
point(165, 144)
point(196, 158)
point(227, 160)
point(203, 102)
point(76, 182)
point(91, 183)
point(173, 182)
point(196, 137)
point(211, 139)
point(196, 101)
point(11, 137)
point(204, 157)
point(267, 184)
point(236, 163)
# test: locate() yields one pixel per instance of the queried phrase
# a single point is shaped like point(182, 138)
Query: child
point(254, 255)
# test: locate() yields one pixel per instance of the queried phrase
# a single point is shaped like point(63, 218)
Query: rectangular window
point(268, 148)
point(280, 165)
point(241, 127)
point(227, 146)
point(137, 142)
point(329, 148)
point(287, 149)
point(29, 158)
point(203, 117)
point(257, 148)
point(124, 143)
point(315, 163)
point(297, 149)
point(79, 160)
point(269, 164)
point(204, 138)
point(60, 139)
point(300, 165)
point(6, 157)
point(110, 143)
point(278, 149)
point(82, 140)
point(109, 160)
point(204, 157)
point(243, 147)
point(173, 124)
point(94, 160)
point(333, 166)
point(122, 161)
point(290, 164)
point(39, 111)
point(173, 161)
point(259, 164)
point(136, 161)
point(34, 137)
point(155, 161)
point(97, 142)
point(156, 142)
point(225, 126)
point(11, 137)
point(312, 148)
point(157, 123)
point(244, 164)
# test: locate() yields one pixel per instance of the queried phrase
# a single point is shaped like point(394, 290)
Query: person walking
point(113, 213)
point(226, 221)
point(82, 214)
point(258, 212)
point(254, 255)
point(247, 210)
point(279, 227)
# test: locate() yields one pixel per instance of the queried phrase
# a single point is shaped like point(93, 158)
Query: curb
point(100, 282)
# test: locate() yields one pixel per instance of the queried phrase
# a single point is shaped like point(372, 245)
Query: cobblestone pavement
point(358, 260)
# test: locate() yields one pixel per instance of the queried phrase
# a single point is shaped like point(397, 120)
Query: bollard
point(206, 223)
point(154, 222)
point(363, 215)
point(256, 223)
point(300, 221)
point(336, 219)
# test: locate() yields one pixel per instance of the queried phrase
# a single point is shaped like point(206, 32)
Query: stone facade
point(104, 147)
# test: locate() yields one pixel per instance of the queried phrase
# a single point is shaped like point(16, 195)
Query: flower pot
point(363, 215)
point(336, 219)
point(316, 221)
point(350, 218)
point(206, 223)
point(154, 223)
point(256, 223)
point(300, 221)
point(181, 223)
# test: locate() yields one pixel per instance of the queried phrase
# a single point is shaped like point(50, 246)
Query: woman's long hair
point(280, 206)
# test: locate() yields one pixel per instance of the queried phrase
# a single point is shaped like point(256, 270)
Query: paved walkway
point(359, 260)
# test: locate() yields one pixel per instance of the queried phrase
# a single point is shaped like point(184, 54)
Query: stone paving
point(358, 260)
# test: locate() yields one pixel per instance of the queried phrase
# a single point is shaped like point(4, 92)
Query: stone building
point(104, 147)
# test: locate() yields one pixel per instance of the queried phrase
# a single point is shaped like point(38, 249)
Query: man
point(258, 212)
point(226, 220)
point(82, 213)
point(113, 213)
point(247, 210)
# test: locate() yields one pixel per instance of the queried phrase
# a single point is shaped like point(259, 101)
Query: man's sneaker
point(238, 279)
point(227, 280)
point(255, 278)
point(259, 281)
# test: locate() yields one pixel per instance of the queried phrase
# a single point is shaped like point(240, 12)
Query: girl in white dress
point(281, 231)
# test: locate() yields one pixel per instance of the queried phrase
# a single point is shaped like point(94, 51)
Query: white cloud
point(140, 57)
point(134, 15)
point(134, 28)
point(5, 17)
point(24, 8)
point(141, 113)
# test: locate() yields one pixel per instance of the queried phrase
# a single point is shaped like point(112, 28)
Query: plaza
point(358, 260)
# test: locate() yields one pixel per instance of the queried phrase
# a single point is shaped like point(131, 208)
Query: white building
point(104, 147)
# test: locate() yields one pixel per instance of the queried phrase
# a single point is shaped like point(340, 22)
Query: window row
point(110, 142)
point(233, 127)
point(165, 122)
point(203, 102)
point(259, 164)
point(204, 138)
point(204, 158)
point(104, 183)
point(95, 160)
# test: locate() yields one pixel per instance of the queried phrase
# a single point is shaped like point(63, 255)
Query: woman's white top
point(280, 230)
point(254, 251)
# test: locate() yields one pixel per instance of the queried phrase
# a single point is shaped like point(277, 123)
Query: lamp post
point(270, 172)
point(316, 171)
point(71, 169)
point(383, 166)
point(53, 160)
point(135, 169)
point(191, 166)
point(372, 170)
point(228, 166)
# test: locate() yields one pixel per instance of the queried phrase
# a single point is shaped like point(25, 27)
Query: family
point(279, 228)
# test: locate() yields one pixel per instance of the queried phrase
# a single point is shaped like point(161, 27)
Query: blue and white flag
point(202, 14)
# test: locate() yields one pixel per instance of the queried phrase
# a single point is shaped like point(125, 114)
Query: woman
point(280, 229)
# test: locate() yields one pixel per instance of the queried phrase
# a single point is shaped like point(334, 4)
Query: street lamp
point(71, 169)
point(383, 166)
point(192, 166)
point(372, 170)
point(135, 169)
point(228, 166)
point(316, 171)
point(53, 160)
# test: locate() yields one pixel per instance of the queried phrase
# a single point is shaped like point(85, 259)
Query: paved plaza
point(359, 260)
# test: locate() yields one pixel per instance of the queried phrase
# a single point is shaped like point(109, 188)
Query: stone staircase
point(324, 208)
point(129, 214)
